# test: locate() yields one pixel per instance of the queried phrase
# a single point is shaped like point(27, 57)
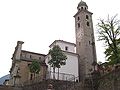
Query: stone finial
point(17, 51)
point(20, 42)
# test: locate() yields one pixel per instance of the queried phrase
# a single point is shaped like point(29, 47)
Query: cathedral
point(80, 55)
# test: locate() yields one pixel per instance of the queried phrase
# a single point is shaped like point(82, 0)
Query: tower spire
point(82, 5)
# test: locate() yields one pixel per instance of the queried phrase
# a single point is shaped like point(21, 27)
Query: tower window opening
point(85, 8)
point(31, 76)
point(81, 7)
point(78, 18)
point(39, 58)
point(66, 48)
point(89, 42)
point(78, 25)
point(88, 24)
point(79, 43)
point(87, 17)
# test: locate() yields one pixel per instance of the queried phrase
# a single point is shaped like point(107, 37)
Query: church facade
point(80, 56)
point(70, 70)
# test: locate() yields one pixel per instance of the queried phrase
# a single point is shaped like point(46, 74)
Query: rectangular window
point(89, 42)
point(40, 58)
point(30, 56)
point(78, 18)
point(87, 17)
point(66, 48)
point(78, 25)
point(31, 76)
point(88, 24)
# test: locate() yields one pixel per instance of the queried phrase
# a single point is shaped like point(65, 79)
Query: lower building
point(20, 72)
point(80, 56)
point(69, 71)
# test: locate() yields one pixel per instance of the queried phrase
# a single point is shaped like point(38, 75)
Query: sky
point(39, 22)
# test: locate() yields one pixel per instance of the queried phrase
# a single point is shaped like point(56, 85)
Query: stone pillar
point(18, 50)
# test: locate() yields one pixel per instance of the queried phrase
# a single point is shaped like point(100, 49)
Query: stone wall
point(9, 88)
point(59, 85)
point(110, 81)
point(44, 85)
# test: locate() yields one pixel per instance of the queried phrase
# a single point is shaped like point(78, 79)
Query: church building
point(70, 70)
point(80, 55)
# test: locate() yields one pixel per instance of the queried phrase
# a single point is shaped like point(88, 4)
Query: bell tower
point(85, 42)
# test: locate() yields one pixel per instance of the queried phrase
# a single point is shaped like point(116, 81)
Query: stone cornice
point(82, 11)
point(32, 52)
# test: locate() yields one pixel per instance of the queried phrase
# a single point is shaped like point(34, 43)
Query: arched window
point(78, 18)
point(87, 17)
point(81, 7)
point(78, 25)
point(88, 24)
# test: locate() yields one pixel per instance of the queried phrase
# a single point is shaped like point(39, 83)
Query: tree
point(109, 31)
point(34, 67)
point(58, 58)
point(109, 53)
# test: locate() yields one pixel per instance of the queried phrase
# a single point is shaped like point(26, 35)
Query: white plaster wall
point(71, 48)
point(71, 66)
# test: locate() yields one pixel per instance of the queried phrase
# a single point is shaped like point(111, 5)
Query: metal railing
point(50, 76)
point(60, 76)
